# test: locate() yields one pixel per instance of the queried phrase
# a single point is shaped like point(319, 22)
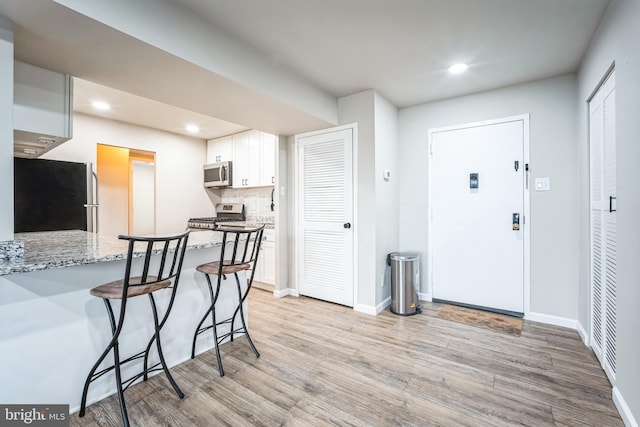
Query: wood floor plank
point(322, 364)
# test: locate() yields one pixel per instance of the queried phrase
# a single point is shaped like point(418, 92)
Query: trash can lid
point(404, 256)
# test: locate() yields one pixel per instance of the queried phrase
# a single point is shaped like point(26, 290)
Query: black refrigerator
point(53, 195)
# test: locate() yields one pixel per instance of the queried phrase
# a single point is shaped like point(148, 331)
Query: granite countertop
point(56, 249)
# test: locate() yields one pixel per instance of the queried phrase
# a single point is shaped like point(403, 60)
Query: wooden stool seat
point(113, 290)
point(214, 268)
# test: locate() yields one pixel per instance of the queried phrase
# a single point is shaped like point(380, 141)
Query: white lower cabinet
point(265, 276)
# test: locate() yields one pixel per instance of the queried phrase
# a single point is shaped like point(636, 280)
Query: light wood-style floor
point(323, 364)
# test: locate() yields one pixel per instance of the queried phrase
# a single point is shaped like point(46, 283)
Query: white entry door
point(324, 237)
point(477, 208)
point(602, 139)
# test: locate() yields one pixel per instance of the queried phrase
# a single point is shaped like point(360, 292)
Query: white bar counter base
point(52, 330)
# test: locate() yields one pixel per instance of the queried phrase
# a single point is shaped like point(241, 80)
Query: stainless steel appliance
point(217, 175)
point(225, 212)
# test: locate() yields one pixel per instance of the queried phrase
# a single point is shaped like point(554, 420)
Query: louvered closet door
point(603, 225)
point(325, 216)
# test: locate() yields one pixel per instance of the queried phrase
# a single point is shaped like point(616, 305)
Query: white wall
point(553, 222)
point(616, 41)
point(6, 130)
point(179, 159)
point(387, 194)
point(377, 200)
point(360, 108)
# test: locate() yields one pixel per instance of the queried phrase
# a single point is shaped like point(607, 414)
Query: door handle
point(516, 222)
point(347, 225)
point(611, 199)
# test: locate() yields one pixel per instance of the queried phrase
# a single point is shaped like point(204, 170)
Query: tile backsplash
point(257, 202)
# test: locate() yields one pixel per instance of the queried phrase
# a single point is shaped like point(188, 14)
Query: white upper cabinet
point(246, 159)
point(267, 159)
point(42, 110)
point(253, 156)
point(220, 150)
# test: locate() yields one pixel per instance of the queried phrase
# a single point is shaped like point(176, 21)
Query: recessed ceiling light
point(458, 68)
point(192, 128)
point(101, 105)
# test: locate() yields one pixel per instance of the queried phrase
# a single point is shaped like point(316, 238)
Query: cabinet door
point(246, 159)
point(267, 258)
point(267, 159)
point(253, 160)
point(225, 149)
point(239, 166)
point(220, 149)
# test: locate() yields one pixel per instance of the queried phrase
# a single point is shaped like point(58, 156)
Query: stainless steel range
point(225, 212)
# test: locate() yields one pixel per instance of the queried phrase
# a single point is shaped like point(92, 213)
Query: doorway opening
point(127, 190)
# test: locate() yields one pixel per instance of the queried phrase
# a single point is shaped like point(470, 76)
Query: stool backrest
point(240, 246)
point(170, 251)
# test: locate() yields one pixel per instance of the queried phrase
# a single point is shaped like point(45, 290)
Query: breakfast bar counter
point(55, 249)
point(52, 330)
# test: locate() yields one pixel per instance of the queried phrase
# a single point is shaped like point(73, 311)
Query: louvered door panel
point(596, 154)
point(325, 245)
point(609, 187)
point(596, 280)
point(324, 182)
point(603, 225)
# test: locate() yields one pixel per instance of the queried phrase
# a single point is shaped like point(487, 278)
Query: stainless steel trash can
point(405, 279)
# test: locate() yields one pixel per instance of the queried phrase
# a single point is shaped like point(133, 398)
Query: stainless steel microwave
point(217, 174)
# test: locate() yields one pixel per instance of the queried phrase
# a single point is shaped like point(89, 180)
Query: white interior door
point(143, 197)
point(324, 237)
point(602, 140)
point(477, 207)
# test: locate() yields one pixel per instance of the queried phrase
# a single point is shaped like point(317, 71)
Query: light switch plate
point(543, 184)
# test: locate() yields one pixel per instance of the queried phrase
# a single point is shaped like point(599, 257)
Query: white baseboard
point(583, 334)
point(623, 408)
point(280, 293)
point(552, 320)
point(384, 304)
point(366, 309)
point(424, 296)
point(369, 309)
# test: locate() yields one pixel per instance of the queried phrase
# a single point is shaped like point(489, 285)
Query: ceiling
point(401, 48)
point(126, 107)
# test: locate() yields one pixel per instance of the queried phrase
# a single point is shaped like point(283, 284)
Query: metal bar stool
point(239, 252)
point(145, 279)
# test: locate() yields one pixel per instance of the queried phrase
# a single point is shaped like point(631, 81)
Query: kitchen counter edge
point(58, 249)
